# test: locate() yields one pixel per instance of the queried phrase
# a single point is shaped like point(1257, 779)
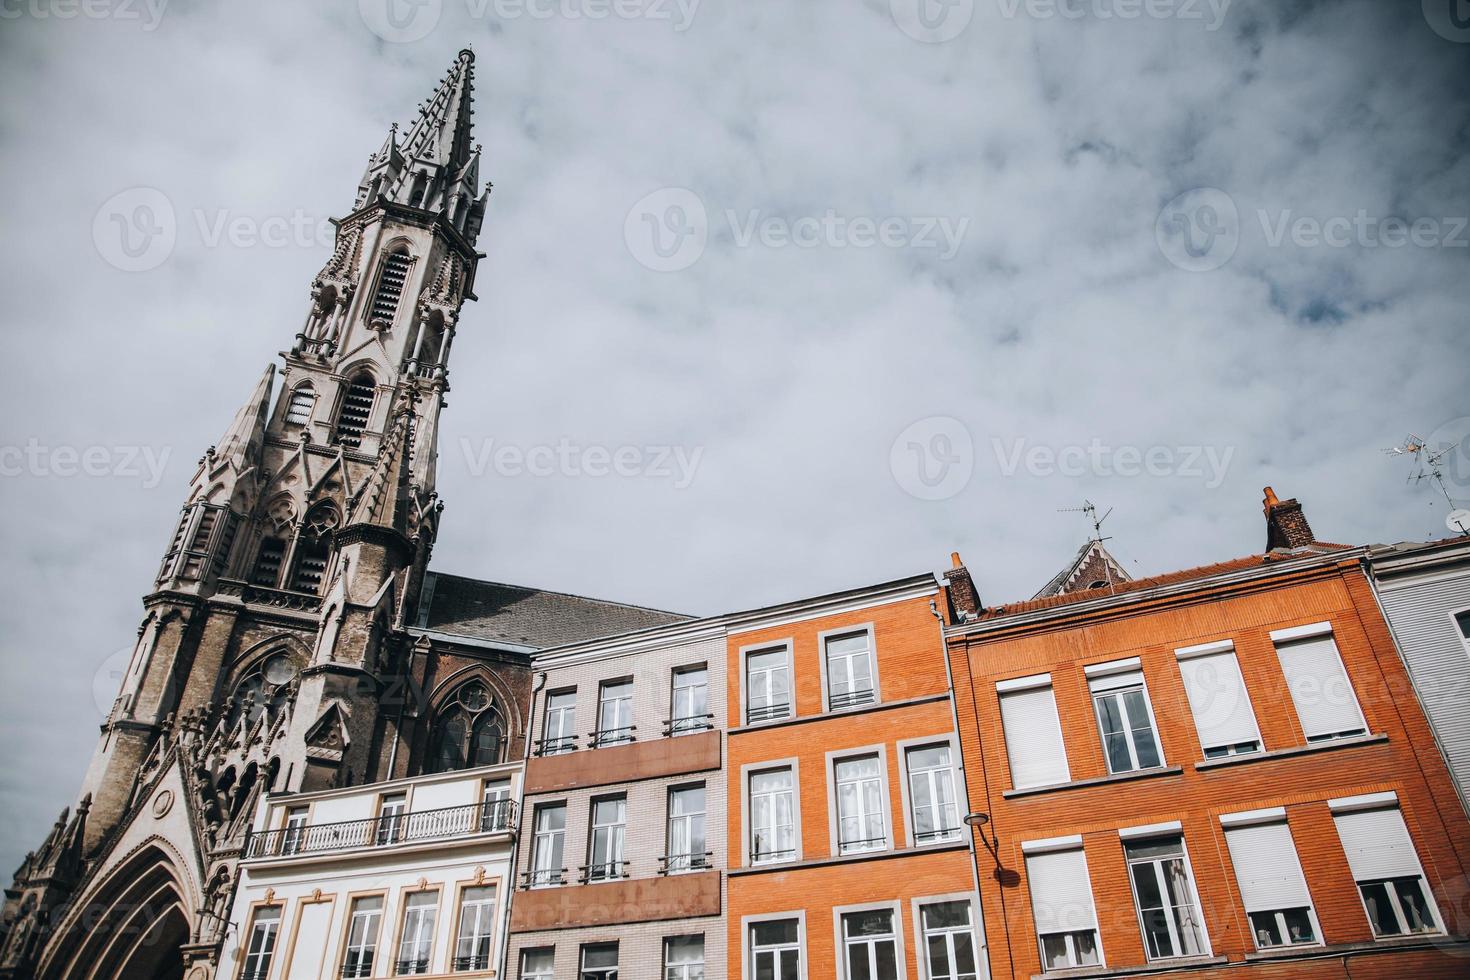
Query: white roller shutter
point(1218, 700)
point(1267, 868)
point(1377, 844)
point(1320, 688)
point(1061, 891)
point(1034, 737)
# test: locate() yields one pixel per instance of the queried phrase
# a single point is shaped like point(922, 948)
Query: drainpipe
point(954, 717)
point(515, 846)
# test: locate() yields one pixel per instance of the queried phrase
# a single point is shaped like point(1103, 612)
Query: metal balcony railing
point(861, 846)
point(673, 864)
point(768, 712)
point(403, 968)
point(543, 877)
point(688, 725)
point(425, 825)
point(556, 746)
point(770, 857)
point(475, 961)
point(608, 871)
point(851, 699)
point(355, 969)
point(934, 836)
point(612, 736)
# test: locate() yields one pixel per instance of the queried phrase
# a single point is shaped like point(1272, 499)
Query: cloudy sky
point(861, 283)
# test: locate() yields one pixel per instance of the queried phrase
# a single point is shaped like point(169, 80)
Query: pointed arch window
point(264, 688)
point(392, 281)
point(298, 410)
point(314, 548)
point(356, 410)
point(469, 731)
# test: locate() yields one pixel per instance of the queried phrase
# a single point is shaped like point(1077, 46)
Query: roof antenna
point(1090, 509)
point(1429, 465)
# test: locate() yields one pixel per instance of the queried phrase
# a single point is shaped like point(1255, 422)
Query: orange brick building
point(848, 857)
point(1216, 772)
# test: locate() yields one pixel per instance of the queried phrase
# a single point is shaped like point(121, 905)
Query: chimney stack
point(964, 601)
point(1286, 525)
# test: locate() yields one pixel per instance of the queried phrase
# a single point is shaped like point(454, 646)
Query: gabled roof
point(521, 616)
point(1092, 564)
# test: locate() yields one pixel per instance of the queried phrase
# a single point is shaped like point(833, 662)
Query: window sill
point(1240, 760)
point(1386, 945)
point(896, 852)
point(1143, 969)
point(758, 726)
point(1122, 777)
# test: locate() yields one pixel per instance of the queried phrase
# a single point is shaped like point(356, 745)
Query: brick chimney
point(1286, 525)
point(964, 601)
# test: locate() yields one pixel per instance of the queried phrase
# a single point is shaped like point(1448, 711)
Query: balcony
point(601, 765)
point(496, 816)
point(674, 896)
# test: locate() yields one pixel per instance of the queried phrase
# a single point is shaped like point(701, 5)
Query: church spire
point(442, 130)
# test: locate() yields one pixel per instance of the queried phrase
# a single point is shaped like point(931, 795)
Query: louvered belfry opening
point(357, 408)
point(267, 571)
point(391, 284)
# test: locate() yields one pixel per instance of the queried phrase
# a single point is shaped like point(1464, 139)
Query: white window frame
point(1021, 685)
point(904, 747)
point(541, 876)
point(616, 836)
point(1275, 816)
point(746, 653)
point(872, 654)
point(1217, 649)
point(1100, 674)
point(372, 935)
point(895, 915)
point(683, 968)
point(294, 838)
point(747, 941)
point(614, 972)
point(1313, 631)
point(548, 974)
point(1455, 627)
point(263, 956)
point(474, 937)
point(1145, 835)
point(1053, 845)
point(622, 707)
point(565, 730)
point(494, 816)
point(1388, 801)
point(693, 861)
point(834, 807)
point(417, 918)
point(392, 818)
point(977, 932)
point(696, 721)
point(749, 771)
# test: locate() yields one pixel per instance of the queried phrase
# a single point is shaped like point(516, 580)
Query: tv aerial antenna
point(1090, 509)
point(1429, 465)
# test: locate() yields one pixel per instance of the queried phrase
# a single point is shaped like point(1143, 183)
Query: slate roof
point(522, 616)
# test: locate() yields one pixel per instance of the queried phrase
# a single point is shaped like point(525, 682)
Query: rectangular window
point(1386, 868)
point(1061, 900)
point(476, 928)
point(686, 830)
point(772, 816)
point(561, 719)
point(949, 941)
point(294, 839)
point(1220, 704)
point(1033, 733)
point(684, 958)
point(850, 670)
point(550, 840)
point(416, 943)
point(1462, 623)
point(392, 818)
point(496, 806)
point(600, 961)
point(936, 815)
point(265, 928)
point(869, 945)
point(1272, 885)
point(1126, 721)
point(860, 823)
point(605, 847)
point(614, 713)
point(362, 936)
point(1320, 689)
point(775, 949)
point(538, 964)
point(767, 685)
point(689, 711)
point(1165, 898)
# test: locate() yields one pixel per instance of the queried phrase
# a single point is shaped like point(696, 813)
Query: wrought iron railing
point(770, 857)
point(934, 836)
point(679, 863)
point(543, 877)
point(689, 725)
point(607, 871)
point(361, 967)
point(768, 712)
point(556, 746)
point(851, 699)
point(403, 968)
point(612, 736)
point(425, 825)
point(475, 961)
point(861, 846)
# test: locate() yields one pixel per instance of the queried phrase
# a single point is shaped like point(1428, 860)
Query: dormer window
point(391, 282)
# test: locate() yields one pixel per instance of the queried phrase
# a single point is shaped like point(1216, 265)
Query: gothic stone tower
point(276, 626)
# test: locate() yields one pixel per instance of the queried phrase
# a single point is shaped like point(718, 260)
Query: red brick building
point(1215, 772)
